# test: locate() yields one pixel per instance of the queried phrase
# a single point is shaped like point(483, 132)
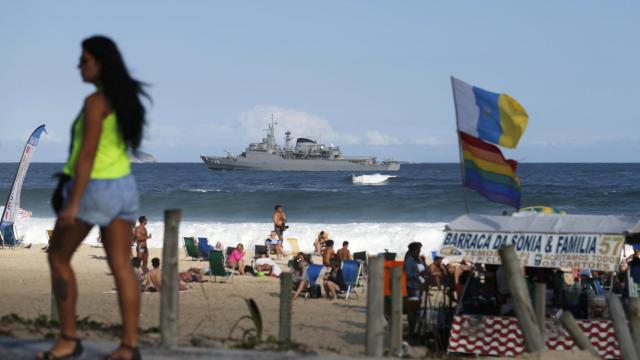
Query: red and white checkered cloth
point(501, 336)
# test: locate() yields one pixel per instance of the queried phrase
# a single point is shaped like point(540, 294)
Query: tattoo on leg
point(60, 288)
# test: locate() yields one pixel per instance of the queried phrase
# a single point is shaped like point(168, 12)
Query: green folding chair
point(190, 248)
point(217, 266)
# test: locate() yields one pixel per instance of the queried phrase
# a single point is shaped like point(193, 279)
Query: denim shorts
point(107, 199)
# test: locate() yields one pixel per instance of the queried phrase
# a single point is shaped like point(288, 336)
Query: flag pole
point(464, 191)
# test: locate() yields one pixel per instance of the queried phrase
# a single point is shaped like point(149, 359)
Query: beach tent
point(552, 241)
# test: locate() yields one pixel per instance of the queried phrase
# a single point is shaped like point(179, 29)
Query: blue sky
point(370, 76)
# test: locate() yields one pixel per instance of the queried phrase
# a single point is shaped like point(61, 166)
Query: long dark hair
point(122, 91)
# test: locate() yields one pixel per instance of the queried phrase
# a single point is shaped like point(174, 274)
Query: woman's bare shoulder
point(97, 102)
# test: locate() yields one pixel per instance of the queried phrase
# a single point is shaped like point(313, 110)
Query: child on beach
point(140, 275)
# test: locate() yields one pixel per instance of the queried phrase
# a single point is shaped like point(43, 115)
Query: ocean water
point(372, 212)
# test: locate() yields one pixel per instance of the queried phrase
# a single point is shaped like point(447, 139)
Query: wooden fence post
point(396, 311)
point(169, 290)
point(623, 335)
point(374, 342)
point(522, 304)
point(286, 300)
point(634, 320)
point(539, 303)
point(570, 324)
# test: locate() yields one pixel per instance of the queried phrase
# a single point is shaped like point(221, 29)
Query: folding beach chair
point(313, 273)
point(350, 273)
point(217, 266)
point(259, 250)
point(204, 247)
point(295, 248)
point(229, 250)
point(190, 248)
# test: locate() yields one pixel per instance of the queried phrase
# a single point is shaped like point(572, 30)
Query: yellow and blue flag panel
point(492, 117)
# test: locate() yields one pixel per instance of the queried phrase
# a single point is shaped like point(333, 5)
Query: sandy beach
point(209, 309)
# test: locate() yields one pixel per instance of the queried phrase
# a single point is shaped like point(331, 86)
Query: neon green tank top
point(111, 161)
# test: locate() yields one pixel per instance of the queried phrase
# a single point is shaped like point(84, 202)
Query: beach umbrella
point(543, 210)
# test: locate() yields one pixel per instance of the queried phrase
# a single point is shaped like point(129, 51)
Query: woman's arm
point(299, 290)
point(95, 109)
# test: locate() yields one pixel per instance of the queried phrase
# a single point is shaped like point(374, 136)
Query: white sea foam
point(371, 237)
point(372, 179)
point(203, 190)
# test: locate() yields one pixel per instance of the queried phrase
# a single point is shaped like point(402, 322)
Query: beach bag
point(315, 291)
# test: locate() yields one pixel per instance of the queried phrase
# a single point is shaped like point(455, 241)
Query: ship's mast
point(271, 138)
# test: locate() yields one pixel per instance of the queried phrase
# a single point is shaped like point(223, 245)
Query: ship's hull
point(280, 164)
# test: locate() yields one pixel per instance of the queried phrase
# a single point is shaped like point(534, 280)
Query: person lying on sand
point(191, 275)
point(267, 265)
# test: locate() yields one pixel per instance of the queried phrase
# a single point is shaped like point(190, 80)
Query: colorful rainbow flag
point(488, 172)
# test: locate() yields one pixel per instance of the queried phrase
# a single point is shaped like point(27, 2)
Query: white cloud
point(254, 122)
point(432, 141)
point(375, 137)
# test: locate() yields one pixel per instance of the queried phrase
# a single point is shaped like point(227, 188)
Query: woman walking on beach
point(97, 188)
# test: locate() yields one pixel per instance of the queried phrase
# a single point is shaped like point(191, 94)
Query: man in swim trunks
point(142, 235)
point(279, 221)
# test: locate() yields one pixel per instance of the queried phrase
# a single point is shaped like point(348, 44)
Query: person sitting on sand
point(334, 284)
point(154, 276)
point(267, 265)
point(140, 275)
point(328, 253)
point(299, 277)
point(273, 242)
point(236, 259)
point(318, 244)
point(343, 252)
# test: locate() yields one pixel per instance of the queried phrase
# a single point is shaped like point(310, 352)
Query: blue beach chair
point(204, 247)
point(313, 273)
point(351, 272)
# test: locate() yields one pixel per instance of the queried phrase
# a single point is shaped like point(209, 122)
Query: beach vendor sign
point(548, 241)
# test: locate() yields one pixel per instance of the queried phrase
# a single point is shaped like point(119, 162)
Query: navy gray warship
point(306, 155)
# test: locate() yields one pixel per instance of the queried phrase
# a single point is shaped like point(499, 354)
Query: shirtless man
point(154, 276)
point(328, 254)
point(141, 236)
point(279, 222)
